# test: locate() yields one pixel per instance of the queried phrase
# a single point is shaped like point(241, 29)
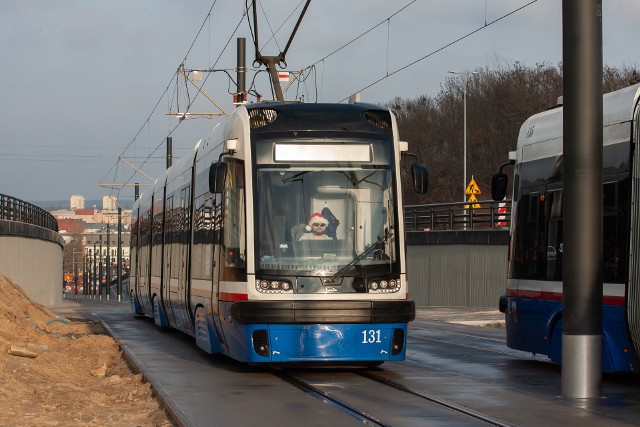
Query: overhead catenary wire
point(362, 34)
point(173, 129)
point(281, 25)
point(322, 60)
point(303, 78)
point(486, 25)
point(155, 107)
point(190, 101)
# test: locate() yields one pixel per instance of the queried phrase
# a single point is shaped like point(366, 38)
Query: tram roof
point(618, 107)
point(296, 116)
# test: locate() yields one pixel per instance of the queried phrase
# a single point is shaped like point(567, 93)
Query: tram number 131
point(371, 336)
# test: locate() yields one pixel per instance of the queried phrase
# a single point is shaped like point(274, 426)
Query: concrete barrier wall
point(31, 257)
point(444, 268)
point(457, 268)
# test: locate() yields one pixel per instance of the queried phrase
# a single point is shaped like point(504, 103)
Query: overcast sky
point(87, 81)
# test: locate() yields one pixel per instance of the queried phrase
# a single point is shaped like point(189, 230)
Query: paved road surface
point(461, 364)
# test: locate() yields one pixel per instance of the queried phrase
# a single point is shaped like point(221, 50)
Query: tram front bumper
point(322, 312)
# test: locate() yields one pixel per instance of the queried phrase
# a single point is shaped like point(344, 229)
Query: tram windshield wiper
point(294, 177)
point(378, 245)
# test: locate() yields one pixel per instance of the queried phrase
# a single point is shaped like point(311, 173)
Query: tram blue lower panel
point(315, 343)
point(535, 326)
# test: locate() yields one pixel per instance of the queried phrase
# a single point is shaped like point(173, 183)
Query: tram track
point(342, 398)
point(432, 398)
point(367, 417)
point(317, 393)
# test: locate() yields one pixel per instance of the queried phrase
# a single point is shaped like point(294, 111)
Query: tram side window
point(133, 252)
point(144, 244)
point(530, 256)
point(538, 255)
point(208, 213)
point(554, 251)
point(234, 224)
point(615, 231)
point(207, 222)
point(185, 216)
point(156, 243)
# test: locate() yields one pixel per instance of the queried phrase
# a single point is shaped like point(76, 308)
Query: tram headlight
point(384, 285)
point(273, 286)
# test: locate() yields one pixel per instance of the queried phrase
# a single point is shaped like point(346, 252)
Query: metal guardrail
point(13, 209)
point(486, 215)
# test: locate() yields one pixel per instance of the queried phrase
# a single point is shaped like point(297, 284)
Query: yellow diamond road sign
point(472, 188)
point(472, 198)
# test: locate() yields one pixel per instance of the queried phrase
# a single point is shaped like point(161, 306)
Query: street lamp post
point(465, 75)
point(119, 254)
point(95, 271)
point(108, 262)
point(87, 272)
point(100, 261)
point(75, 271)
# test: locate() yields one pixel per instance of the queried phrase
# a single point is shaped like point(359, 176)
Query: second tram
point(533, 300)
point(222, 248)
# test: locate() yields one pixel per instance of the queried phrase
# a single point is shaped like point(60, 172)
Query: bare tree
point(499, 100)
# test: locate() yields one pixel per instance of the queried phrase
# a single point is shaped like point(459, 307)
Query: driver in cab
point(317, 226)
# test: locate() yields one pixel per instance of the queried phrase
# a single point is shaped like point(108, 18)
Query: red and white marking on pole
point(502, 211)
point(283, 76)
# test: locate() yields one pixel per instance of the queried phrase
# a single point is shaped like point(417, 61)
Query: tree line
point(498, 101)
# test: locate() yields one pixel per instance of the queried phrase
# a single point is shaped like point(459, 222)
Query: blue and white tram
point(221, 248)
point(533, 300)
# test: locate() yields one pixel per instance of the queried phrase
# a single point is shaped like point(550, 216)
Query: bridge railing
point(13, 209)
point(481, 215)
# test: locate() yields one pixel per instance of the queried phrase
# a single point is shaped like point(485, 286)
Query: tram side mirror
point(499, 186)
point(217, 172)
point(420, 176)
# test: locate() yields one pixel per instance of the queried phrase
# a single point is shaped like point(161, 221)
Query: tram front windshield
point(357, 206)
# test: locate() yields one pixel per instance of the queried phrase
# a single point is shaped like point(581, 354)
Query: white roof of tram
point(546, 127)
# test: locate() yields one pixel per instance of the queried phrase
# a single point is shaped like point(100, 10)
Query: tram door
point(146, 263)
point(134, 256)
point(633, 289)
point(182, 247)
point(168, 283)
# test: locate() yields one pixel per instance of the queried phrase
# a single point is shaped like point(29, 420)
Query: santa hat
point(318, 219)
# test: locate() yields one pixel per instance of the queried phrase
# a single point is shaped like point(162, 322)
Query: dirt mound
point(65, 372)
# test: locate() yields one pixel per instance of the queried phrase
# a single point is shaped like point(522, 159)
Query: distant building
point(96, 230)
point(87, 215)
point(103, 217)
point(77, 201)
point(109, 203)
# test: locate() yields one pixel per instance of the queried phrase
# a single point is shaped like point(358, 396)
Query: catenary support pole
point(241, 69)
point(169, 151)
point(108, 264)
point(95, 271)
point(84, 274)
point(119, 254)
point(582, 270)
point(100, 261)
